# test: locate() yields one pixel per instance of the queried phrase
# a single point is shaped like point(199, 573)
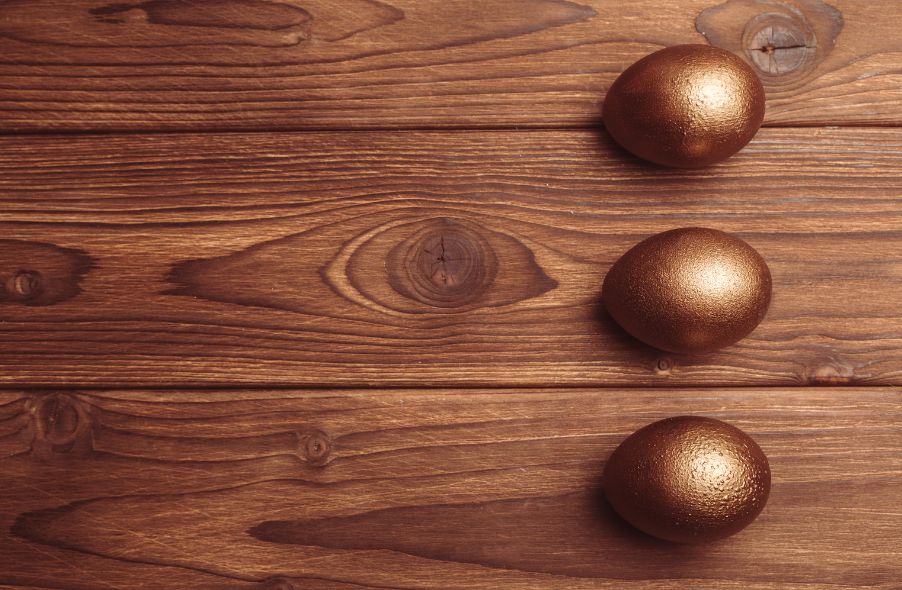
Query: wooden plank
point(342, 490)
point(303, 64)
point(317, 258)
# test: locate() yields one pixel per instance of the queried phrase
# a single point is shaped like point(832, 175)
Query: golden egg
point(685, 106)
point(688, 290)
point(688, 479)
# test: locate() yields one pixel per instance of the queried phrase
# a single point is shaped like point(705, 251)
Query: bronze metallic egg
point(685, 106)
point(688, 290)
point(688, 479)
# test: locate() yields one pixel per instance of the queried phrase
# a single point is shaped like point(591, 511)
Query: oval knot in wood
point(445, 264)
point(784, 41)
point(663, 365)
point(50, 274)
point(62, 424)
point(315, 447)
point(779, 44)
point(832, 374)
point(26, 284)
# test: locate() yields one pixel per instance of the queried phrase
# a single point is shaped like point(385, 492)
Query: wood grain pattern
point(292, 64)
point(428, 258)
point(425, 489)
point(401, 262)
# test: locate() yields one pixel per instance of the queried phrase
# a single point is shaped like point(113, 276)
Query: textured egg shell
point(685, 106)
point(688, 290)
point(688, 479)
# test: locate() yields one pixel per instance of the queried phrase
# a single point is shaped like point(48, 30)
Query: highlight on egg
point(685, 106)
point(688, 479)
point(690, 290)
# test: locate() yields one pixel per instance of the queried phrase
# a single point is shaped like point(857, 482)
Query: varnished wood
point(427, 489)
point(427, 258)
point(194, 262)
point(260, 64)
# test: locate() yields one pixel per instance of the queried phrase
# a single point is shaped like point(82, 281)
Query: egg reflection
point(712, 467)
point(715, 279)
point(712, 92)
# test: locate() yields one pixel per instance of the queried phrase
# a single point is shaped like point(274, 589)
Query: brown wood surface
point(290, 64)
point(337, 490)
point(427, 216)
point(427, 258)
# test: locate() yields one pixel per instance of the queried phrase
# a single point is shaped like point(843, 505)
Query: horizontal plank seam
point(436, 128)
point(229, 387)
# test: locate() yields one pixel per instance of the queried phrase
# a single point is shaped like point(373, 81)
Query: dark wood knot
point(52, 273)
point(62, 424)
point(783, 40)
point(663, 365)
point(315, 447)
point(26, 284)
point(778, 44)
point(450, 265)
point(447, 263)
point(831, 375)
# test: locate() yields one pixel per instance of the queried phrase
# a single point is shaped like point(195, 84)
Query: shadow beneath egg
point(608, 145)
point(616, 337)
point(635, 550)
point(619, 529)
point(614, 151)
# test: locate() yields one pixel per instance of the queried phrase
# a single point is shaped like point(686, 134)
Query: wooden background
point(304, 294)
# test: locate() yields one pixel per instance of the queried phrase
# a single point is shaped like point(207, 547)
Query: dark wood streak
point(315, 64)
point(317, 258)
point(574, 535)
point(431, 489)
point(254, 14)
point(173, 23)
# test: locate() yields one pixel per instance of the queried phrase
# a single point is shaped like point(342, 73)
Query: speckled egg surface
point(688, 290)
point(685, 106)
point(688, 479)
